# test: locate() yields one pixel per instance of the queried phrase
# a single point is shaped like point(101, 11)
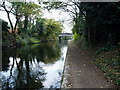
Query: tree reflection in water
point(21, 68)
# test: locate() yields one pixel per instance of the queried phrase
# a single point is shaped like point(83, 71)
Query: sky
point(58, 15)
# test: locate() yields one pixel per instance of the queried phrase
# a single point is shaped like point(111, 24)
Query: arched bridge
point(65, 34)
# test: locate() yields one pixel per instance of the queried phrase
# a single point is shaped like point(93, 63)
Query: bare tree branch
point(8, 15)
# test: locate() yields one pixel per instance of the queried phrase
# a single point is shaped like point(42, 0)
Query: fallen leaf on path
point(69, 85)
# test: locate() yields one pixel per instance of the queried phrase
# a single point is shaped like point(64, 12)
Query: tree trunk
point(94, 34)
point(8, 15)
point(17, 20)
point(26, 22)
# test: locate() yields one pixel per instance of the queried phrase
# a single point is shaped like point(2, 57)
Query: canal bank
point(80, 72)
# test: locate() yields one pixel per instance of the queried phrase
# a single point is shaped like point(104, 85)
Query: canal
point(34, 66)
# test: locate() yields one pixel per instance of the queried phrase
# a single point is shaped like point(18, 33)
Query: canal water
point(34, 66)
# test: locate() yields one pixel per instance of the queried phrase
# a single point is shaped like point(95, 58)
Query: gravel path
point(79, 70)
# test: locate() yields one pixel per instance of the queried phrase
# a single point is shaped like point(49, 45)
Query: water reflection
point(33, 66)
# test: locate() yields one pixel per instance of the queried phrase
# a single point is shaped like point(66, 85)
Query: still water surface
point(33, 66)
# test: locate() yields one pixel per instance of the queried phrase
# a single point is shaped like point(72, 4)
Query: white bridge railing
point(65, 34)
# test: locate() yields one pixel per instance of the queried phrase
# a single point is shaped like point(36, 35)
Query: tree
point(29, 10)
point(100, 21)
point(25, 14)
point(53, 29)
point(47, 29)
point(8, 11)
point(21, 10)
point(95, 21)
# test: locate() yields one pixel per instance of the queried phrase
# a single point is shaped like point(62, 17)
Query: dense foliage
point(48, 29)
point(101, 24)
point(97, 22)
point(29, 26)
point(108, 60)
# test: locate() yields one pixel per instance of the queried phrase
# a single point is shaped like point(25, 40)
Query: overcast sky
point(58, 15)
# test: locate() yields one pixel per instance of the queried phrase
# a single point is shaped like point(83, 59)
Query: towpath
point(80, 72)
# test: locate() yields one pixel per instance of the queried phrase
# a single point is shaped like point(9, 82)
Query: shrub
point(76, 36)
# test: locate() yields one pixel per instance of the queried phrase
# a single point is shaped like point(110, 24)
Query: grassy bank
point(18, 40)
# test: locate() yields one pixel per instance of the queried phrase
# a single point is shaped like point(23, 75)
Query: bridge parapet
point(65, 34)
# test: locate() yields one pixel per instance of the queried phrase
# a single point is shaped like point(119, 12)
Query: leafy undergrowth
point(108, 60)
point(81, 43)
